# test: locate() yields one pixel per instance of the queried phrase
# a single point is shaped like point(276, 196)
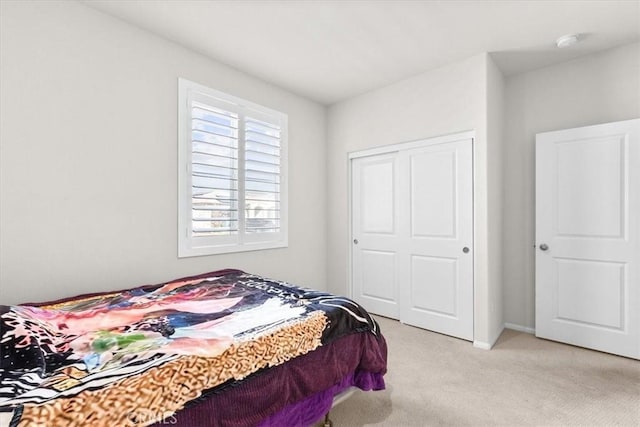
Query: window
point(232, 173)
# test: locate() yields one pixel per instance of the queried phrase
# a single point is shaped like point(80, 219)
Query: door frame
point(391, 148)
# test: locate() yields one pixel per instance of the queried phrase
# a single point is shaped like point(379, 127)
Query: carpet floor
point(434, 379)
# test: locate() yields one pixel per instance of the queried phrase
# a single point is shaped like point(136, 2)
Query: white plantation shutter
point(232, 187)
point(262, 177)
point(214, 171)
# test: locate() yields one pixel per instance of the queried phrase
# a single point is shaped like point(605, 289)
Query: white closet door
point(412, 224)
point(437, 291)
point(588, 237)
point(375, 223)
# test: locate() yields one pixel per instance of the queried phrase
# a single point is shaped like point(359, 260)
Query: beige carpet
point(434, 379)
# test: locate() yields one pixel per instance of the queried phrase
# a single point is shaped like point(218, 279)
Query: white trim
point(482, 345)
point(391, 148)
point(349, 229)
point(485, 345)
point(520, 328)
point(188, 245)
point(413, 144)
point(227, 249)
point(226, 98)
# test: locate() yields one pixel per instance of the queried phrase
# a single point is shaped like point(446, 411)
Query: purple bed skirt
point(296, 393)
point(308, 411)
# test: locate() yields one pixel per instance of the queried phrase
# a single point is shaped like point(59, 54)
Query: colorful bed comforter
point(136, 357)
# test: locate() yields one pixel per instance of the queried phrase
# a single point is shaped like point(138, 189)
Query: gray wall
point(88, 142)
point(599, 88)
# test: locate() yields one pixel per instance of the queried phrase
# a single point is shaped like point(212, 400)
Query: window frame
point(189, 245)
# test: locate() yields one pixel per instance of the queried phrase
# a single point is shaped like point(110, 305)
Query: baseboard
point(488, 346)
point(520, 328)
point(482, 345)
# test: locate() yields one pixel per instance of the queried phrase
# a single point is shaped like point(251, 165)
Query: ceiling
point(331, 50)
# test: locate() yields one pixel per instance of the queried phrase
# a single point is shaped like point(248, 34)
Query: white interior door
point(412, 231)
point(438, 273)
point(375, 223)
point(588, 237)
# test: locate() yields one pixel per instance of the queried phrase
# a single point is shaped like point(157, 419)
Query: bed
point(225, 348)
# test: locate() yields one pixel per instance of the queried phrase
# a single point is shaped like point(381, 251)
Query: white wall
point(442, 101)
point(598, 88)
point(495, 186)
point(88, 142)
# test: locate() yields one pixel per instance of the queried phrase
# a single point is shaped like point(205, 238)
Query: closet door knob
point(355, 241)
point(544, 247)
point(465, 250)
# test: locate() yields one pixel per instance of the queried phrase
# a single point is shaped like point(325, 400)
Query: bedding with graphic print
point(114, 359)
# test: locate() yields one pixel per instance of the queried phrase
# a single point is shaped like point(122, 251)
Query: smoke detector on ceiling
point(567, 40)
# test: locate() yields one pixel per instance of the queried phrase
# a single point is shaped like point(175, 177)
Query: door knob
point(465, 250)
point(355, 241)
point(544, 247)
